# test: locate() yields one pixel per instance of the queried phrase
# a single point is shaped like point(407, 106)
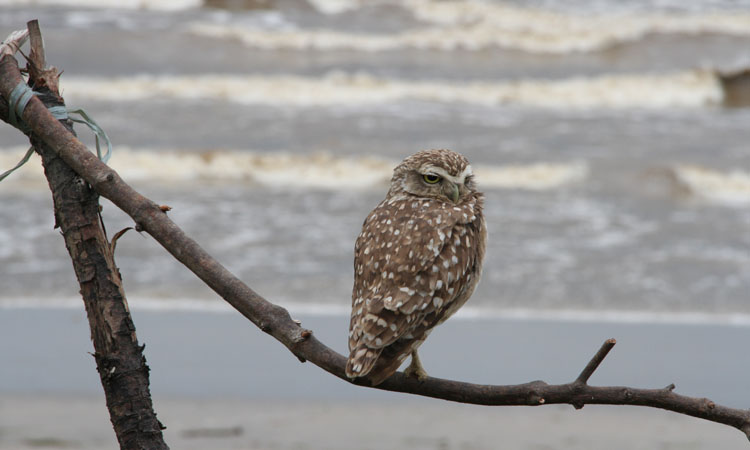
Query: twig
point(13, 43)
point(118, 235)
point(276, 321)
point(583, 378)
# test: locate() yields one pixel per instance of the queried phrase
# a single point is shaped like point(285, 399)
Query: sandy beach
point(218, 382)
point(81, 421)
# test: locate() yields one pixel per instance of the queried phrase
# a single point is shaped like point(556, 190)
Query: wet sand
point(66, 421)
point(220, 383)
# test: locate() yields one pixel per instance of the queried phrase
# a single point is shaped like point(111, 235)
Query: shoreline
point(469, 312)
point(219, 382)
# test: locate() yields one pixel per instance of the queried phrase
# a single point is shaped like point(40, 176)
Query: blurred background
point(611, 139)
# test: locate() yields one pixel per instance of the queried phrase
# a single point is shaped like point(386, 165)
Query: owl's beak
point(451, 191)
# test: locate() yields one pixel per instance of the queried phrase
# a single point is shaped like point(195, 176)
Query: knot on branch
point(577, 389)
point(146, 213)
point(104, 177)
point(106, 365)
point(301, 336)
point(534, 398)
point(707, 405)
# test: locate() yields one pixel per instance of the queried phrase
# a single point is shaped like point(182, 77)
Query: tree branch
point(119, 359)
point(276, 321)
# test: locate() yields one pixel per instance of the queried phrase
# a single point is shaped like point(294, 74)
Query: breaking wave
point(477, 25)
point(695, 88)
point(448, 25)
point(730, 188)
point(318, 170)
point(322, 170)
point(160, 5)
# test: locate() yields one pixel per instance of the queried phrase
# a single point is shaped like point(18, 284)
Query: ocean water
point(614, 157)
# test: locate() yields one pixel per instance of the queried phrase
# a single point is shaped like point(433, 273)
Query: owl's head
point(441, 174)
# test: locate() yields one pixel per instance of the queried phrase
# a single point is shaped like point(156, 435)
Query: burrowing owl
point(416, 262)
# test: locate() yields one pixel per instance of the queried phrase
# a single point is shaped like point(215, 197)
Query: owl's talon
point(419, 374)
point(415, 369)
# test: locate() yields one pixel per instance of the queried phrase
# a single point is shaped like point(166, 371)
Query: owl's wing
point(407, 266)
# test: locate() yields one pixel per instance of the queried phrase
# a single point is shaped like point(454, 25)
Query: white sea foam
point(337, 6)
point(731, 187)
point(319, 170)
point(467, 313)
point(162, 5)
point(694, 88)
point(451, 25)
point(322, 170)
point(534, 177)
point(476, 25)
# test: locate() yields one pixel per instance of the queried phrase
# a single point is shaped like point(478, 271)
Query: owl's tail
point(374, 364)
point(361, 361)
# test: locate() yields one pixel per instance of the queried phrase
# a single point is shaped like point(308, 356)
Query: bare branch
point(276, 321)
point(120, 362)
point(583, 378)
point(36, 56)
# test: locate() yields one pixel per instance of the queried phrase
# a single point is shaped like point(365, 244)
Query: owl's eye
point(430, 178)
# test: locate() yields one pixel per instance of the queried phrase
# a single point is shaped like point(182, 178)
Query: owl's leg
point(415, 369)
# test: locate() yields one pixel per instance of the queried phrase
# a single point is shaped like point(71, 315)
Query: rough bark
point(276, 321)
point(119, 359)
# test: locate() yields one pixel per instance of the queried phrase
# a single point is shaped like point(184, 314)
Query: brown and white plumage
point(416, 262)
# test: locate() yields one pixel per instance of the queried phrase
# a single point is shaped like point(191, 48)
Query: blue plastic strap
point(17, 101)
point(26, 157)
point(19, 98)
point(99, 133)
